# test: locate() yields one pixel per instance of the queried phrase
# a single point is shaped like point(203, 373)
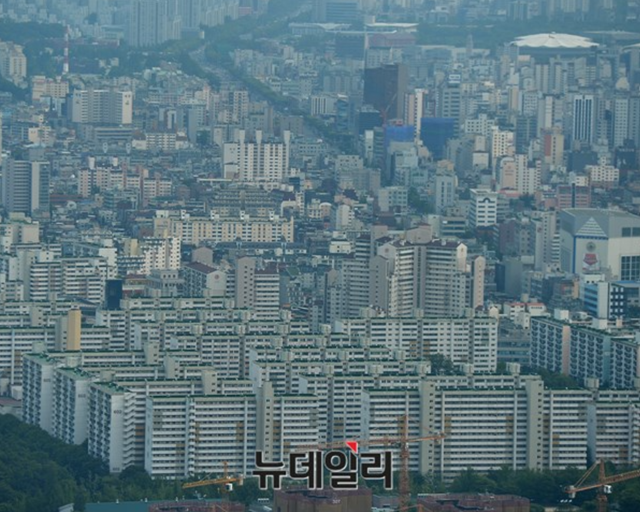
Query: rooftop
point(554, 41)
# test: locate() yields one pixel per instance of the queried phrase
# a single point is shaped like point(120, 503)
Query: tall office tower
point(153, 22)
point(335, 11)
point(355, 273)
point(584, 118)
point(92, 106)
point(475, 282)
point(384, 89)
point(549, 112)
point(257, 161)
point(449, 100)
point(526, 131)
point(633, 130)
point(414, 106)
point(621, 113)
point(445, 281)
point(25, 186)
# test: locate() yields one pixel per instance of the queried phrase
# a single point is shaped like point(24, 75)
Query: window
point(630, 268)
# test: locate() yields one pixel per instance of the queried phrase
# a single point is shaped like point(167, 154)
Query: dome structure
point(553, 41)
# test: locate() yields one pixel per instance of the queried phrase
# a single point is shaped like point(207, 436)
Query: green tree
point(472, 481)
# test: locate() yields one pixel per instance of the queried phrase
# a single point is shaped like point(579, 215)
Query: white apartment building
point(446, 291)
point(225, 429)
point(102, 106)
point(462, 340)
point(17, 342)
point(392, 283)
point(383, 412)
point(37, 403)
point(70, 406)
point(496, 421)
point(258, 161)
point(74, 277)
point(111, 436)
point(613, 423)
point(191, 435)
point(153, 253)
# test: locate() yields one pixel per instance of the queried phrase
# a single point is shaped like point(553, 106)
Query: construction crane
point(226, 480)
point(403, 441)
point(603, 485)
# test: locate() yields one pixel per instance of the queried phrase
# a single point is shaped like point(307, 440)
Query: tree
point(416, 202)
point(471, 481)
point(441, 365)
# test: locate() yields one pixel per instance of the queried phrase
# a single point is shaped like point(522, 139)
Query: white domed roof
point(554, 41)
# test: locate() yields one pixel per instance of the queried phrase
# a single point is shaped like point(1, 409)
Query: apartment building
point(70, 404)
point(244, 227)
point(73, 277)
point(463, 340)
point(101, 106)
point(496, 421)
point(586, 350)
point(258, 161)
point(13, 63)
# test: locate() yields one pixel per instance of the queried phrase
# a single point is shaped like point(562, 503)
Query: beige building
point(13, 63)
point(257, 288)
point(193, 230)
point(42, 86)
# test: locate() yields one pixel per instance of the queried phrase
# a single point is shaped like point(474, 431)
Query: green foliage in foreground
point(40, 473)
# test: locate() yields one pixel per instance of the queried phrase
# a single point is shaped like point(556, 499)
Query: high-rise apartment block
point(101, 106)
point(153, 22)
point(259, 161)
point(25, 187)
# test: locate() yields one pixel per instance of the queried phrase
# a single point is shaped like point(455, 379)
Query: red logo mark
point(353, 446)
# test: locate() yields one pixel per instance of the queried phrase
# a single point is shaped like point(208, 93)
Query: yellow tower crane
point(603, 485)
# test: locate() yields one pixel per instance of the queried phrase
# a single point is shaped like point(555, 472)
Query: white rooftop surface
point(554, 41)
